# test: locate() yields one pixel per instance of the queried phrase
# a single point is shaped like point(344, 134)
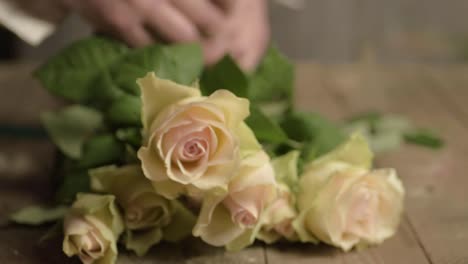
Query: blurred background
point(328, 31)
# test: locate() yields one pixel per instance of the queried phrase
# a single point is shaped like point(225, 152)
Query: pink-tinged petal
point(174, 172)
point(245, 215)
point(177, 134)
point(192, 150)
point(195, 172)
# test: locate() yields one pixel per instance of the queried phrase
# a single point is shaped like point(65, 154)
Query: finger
point(168, 22)
point(117, 18)
point(248, 48)
point(225, 5)
point(127, 22)
point(214, 49)
point(207, 16)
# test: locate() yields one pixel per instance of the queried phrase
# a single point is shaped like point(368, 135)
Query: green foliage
point(274, 78)
point(318, 134)
point(388, 132)
point(70, 74)
point(70, 127)
point(73, 181)
point(130, 135)
point(101, 150)
point(224, 75)
point(37, 215)
point(180, 63)
point(265, 128)
point(125, 111)
point(425, 138)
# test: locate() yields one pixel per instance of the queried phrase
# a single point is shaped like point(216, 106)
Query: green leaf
point(181, 225)
point(286, 169)
point(180, 63)
point(53, 232)
point(318, 134)
point(74, 181)
point(224, 75)
point(107, 91)
point(273, 79)
point(71, 73)
point(131, 135)
point(101, 150)
point(37, 215)
point(265, 128)
point(369, 117)
point(70, 127)
point(424, 138)
point(125, 111)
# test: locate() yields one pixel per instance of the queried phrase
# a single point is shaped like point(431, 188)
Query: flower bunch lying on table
point(158, 148)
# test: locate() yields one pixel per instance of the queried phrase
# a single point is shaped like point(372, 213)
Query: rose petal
point(152, 165)
point(236, 109)
point(156, 94)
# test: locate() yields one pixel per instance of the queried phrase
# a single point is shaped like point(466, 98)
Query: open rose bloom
point(92, 228)
point(146, 214)
point(344, 203)
point(191, 141)
point(230, 218)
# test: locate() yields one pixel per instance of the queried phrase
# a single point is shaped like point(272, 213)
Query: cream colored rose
point(92, 228)
point(344, 203)
point(145, 212)
point(191, 141)
point(227, 218)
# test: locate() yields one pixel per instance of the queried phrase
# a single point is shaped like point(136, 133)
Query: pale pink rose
point(354, 206)
point(193, 142)
point(250, 191)
point(92, 228)
point(87, 240)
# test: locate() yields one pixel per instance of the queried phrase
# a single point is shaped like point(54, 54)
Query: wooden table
point(434, 228)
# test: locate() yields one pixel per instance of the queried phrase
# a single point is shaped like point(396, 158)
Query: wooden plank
point(314, 93)
point(25, 174)
point(21, 245)
point(435, 180)
point(402, 248)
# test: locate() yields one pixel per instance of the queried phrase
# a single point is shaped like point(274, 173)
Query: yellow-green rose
point(228, 219)
point(191, 141)
point(344, 203)
point(92, 228)
point(146, 214)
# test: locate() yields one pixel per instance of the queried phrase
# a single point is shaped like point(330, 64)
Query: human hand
point(238, 27)
point(247, 33)
point(138, 21)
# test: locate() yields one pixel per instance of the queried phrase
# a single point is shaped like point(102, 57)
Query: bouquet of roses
point(158, 148)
